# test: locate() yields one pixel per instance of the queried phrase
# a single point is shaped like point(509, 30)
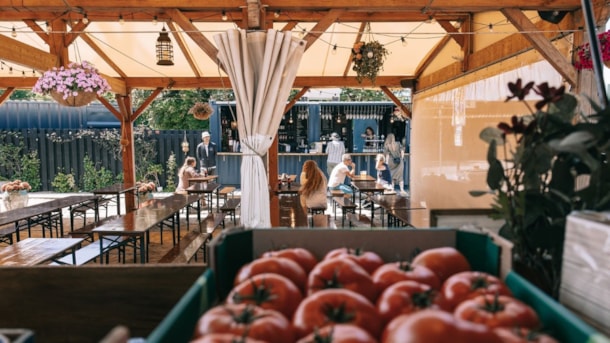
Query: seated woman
point(186, 172)
point(384, 177)
point(313, 186)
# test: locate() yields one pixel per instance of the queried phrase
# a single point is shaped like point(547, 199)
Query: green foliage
point(30, 170)
point(94, 178)
point(171, 169)
point(535, 184)
point(18, 163)
point(353, 94)
point(169, 111)
point(64, 183)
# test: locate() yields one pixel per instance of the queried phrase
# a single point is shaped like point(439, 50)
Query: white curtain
point(262, 67)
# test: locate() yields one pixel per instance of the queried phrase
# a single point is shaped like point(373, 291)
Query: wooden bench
point(6, 234)
point(86, 231)
point(346, 204)
point(91, 251)
point(82, 209)
point(323, 220)
point(230, 206)
point(211, 222)
point(359, 220)
point(186, 249)
point(225, 192)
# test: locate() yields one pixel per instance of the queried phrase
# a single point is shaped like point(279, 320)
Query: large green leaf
point(491, 134)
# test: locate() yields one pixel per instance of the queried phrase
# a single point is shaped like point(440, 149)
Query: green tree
point(17, 163)
point(94, 178)
point(169, 111)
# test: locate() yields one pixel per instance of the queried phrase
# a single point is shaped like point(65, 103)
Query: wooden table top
point(360, 177)
point(33, 251)
point(394, 202)
point(203, 187)
point(292, 213)
point(287, 188)
point(367, 186)
point(117, 188)
point(202, 179)
point(26, 212)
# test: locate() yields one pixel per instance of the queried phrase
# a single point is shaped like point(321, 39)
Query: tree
point(170, 110)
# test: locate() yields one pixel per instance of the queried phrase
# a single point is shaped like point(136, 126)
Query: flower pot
point(82, 99)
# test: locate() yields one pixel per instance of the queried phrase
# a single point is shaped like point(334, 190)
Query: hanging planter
point(368, 58)
point(76, 85)
point(201, 111)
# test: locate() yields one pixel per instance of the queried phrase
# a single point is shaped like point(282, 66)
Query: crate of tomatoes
point(384, 286)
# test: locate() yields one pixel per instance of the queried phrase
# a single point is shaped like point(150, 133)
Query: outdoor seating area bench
point(211, 222)
point(82, 209)
point(86, 231)
point(186, 249)
point(359, 220)
point(230, 206)
point(346, 204)
point(225, 192)
point(6, 234)
point(91, 251)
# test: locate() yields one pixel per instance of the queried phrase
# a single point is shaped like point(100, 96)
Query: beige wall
point(447, 157)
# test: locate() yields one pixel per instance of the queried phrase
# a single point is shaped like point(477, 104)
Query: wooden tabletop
point(292, 213)
point(117, 188)
point(203, 187)
point(394, 202)
point(368, 186)
point(202, 179)
point(26, 212)
point(287, 188)
point(33, 251)
point(360, 177)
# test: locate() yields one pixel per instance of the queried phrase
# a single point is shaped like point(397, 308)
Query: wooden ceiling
point(71, 21)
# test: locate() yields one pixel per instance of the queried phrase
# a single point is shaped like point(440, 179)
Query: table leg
point(177, 220)
point(118, 204)
point(143, 249)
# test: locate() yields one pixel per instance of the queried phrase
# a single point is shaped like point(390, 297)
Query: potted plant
point(368, 58)
point(546, 156)
point(201, 110)
point(76, 85)
point(583, 52)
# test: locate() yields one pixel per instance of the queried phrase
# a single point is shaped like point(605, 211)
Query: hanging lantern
point(185, 144)
point(165, 49)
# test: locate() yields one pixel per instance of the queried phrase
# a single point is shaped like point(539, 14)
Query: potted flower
point(368, 58)
point(583, 52)
point(201, 110)
point(76, 85)
point(536, 183)
point(16, 192)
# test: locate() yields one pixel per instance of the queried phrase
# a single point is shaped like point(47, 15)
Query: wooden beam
point(431, 55)
point(87, 39)
point(75, 32)
point(452, 31)
point(111, 108)
point(194, 33)
point(147, 102)
point(184, 48)
point(6, 95)
point(321, 27)
point(396, 101)
point(40, 32)
point(17, 52)
point(542, 44)
point(295, 99)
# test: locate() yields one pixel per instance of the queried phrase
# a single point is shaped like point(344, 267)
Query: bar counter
point(229, 164)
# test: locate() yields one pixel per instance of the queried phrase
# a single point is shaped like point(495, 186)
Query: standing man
point(206, 154)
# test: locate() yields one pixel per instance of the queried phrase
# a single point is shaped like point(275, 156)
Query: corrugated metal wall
point(25, 114)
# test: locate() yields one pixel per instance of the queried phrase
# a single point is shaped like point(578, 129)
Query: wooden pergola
point(37, 35)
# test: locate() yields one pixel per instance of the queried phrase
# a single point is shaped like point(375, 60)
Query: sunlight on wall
point(447, 157)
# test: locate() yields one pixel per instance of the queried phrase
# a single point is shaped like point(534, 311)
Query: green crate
point(230, 251)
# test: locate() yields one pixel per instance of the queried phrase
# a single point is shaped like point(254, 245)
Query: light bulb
point(154, 22)
point(13, 32)
point(302, 33)
point(491, 27)
point(403, 40)
point(224, 16)
point(23, 73)
point(121, 20)
point(369, 54)
point(49, 29)
point(85, 19)
point(10, 71)
point(334, 51)
point(276, 14)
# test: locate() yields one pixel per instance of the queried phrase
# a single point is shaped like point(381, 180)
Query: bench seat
point(359, 220)
point(230, 206)
point(211, 222)
point(186, 249)
point(346, 204)
point(91, 251)
point(86, 231)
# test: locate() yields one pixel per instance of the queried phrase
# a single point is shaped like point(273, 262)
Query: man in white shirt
point(340, 172)
point(335, 150)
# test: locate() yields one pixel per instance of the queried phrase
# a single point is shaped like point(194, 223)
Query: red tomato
point(467, 285)
point(303, 257)
point(444, 261)
point(244, 319)
point(270, 291)
point(339, 333)
point(496, 311)
point(366, 259)
point(406, 297)
point(523, 335)
point(277, 265)
point(339, 306)
point(341, 273)
point(225, 338)
point(391, 273)
point(433, 326)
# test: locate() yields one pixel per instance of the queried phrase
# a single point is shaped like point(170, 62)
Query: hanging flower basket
point(76, 85)
point(583, 52)
point(201, 111)
point(81, 99)
point(368, 58)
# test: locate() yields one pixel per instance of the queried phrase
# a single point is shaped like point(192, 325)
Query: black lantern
point(165, 49)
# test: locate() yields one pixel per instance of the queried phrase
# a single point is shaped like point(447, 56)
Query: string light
point(49, 29)
point(85, 19)
point(403, 40)
point(224, 16)
point(13, 32)
point(23, 73)
point(334, 52)
point(121, 20)
point(10, 71)
point(276, 14)
point(302, 33)
point(154, 22)
point(491, 27)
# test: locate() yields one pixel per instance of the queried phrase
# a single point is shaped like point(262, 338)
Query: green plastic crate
point(230, 251)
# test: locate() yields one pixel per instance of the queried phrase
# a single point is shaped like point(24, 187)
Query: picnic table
point(33, 251)
point(114, 192)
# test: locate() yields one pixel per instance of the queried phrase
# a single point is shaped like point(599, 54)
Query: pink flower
point(583, 52)
point(69, 81)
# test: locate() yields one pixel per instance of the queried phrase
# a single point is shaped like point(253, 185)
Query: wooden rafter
point(147, 103)
point(40, 32)
point(357, 39)
point(87, 39)
point(296, 98)
point(431, 55)
point(321, 27)
point(194, 33)
point(452, 31)
point(185, 50)
point(396, 101)
point(7, 93)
